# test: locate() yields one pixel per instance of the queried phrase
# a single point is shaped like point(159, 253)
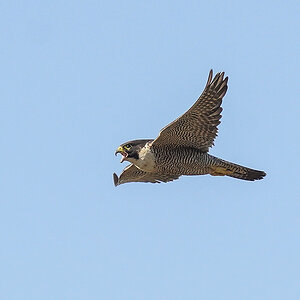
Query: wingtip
point(116, 179)
point(210, 75)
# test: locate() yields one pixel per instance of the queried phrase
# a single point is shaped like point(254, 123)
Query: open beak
point(121, 151)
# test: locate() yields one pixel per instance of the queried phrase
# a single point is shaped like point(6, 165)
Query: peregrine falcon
point(181, 147)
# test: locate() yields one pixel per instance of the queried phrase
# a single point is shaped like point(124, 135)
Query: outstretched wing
point(197, 127)
point(133, 174)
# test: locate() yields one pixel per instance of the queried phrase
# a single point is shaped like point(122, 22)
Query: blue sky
point(78, 78)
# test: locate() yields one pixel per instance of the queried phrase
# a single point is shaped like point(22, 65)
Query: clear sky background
point(78, 78)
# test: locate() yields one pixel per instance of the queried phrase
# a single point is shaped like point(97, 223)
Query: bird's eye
point(127, 147)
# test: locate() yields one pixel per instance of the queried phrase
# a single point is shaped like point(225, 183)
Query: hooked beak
point(119, 150)
point(123, 152)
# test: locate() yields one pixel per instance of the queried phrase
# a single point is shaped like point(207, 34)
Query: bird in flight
point(181, 147)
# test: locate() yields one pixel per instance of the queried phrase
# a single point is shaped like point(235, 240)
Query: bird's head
point(130, 150)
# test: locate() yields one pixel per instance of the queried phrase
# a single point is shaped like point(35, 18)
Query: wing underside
point(133, 174)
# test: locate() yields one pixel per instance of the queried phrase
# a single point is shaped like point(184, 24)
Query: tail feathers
point(225, 168)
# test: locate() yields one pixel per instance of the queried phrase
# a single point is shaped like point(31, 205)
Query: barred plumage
point(181, 147)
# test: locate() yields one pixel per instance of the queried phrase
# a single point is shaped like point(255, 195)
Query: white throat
point(146, 160)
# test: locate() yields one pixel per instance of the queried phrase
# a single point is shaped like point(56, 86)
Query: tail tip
point(256, 175)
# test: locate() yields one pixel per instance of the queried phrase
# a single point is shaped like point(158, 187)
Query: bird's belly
point(184, 161)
